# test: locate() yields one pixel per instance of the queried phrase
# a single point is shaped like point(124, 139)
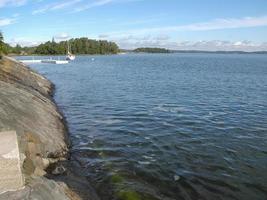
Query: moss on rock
point(128, 195)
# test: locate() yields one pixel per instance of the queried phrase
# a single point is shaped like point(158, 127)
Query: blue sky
point(176, 24)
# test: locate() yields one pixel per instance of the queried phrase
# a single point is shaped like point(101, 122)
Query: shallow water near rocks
point(174, 126)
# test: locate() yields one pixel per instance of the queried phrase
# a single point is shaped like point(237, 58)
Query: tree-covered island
point(77, 45)
point(151, 50)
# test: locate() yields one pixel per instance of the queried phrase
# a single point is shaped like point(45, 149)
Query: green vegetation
point(2, 45)
point(128, 195)
point(4, 48)
point(116, 178)
point(78, 46)
point(151, 50)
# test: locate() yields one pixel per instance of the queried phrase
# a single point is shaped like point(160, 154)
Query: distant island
point(78, 46)
point(162, 50)
point(151, 50)
point(219, 52)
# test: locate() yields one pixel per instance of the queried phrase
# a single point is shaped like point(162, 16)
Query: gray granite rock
point(27, 108)
point(41, 189)
point(11, 177)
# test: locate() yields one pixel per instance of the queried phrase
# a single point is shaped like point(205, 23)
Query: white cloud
point(132, 42)
point(103, 36)
point(217, 45)
point(94, 4)
point(69, 3)
point(64, 4)
point(24, 42)
point(217, 24)
point(99, 3)
point(6, 21)
point(62, 36)
point(4, 3)
point(56, 6)
point(159, 36)
point(226, 24)
point(162, 37)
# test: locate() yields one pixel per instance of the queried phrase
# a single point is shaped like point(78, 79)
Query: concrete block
point(11, 177)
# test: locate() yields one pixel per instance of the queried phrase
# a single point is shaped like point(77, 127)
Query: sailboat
point(70, 56)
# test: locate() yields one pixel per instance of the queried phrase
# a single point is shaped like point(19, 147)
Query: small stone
point(59, 170)
point(176, 178)
point(22, 158)
point(39, 172)
point(45, 162)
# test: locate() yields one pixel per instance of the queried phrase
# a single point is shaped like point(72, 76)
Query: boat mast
point(68, 47)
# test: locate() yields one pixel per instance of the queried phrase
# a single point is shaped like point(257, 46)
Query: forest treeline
point(77, 46)
point(151, 50)
point(2, 45)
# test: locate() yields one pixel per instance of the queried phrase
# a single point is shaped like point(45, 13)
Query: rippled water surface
point(175, 126)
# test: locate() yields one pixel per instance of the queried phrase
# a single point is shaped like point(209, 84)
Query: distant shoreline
point(13, 54)
point(200, 51)
point(219, 52)
point(170, 52)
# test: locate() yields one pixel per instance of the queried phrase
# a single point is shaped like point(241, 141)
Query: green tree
point(77, 46)
point(17, 49)
point(4, 48)
point(151, 50)
point(1, 44)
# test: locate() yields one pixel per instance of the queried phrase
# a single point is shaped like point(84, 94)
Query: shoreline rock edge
point(27, 107)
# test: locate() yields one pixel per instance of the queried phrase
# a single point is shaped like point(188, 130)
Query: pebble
point(59, 170)
point(176, 178)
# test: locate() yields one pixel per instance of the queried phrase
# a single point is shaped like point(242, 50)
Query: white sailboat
point(70, 56)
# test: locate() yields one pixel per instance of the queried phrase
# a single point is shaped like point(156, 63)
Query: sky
point(174, 24)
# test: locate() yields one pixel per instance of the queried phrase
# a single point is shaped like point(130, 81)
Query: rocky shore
point(27, 108)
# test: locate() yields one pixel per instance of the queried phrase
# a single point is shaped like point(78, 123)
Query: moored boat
point(70, 56)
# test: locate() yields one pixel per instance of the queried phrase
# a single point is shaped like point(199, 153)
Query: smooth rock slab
point(11, 177)
point(41, 188)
